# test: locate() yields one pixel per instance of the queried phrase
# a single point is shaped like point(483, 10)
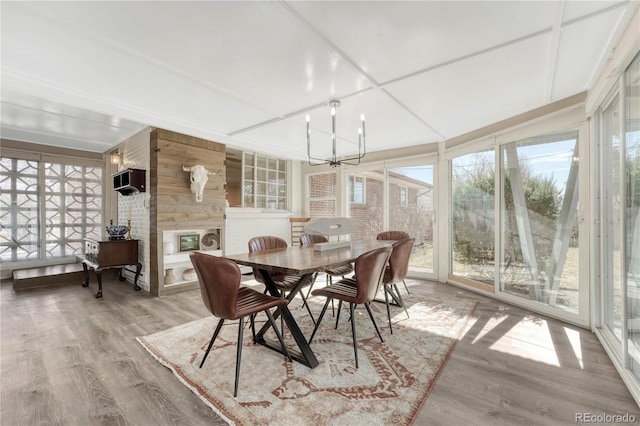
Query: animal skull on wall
point(199, 177)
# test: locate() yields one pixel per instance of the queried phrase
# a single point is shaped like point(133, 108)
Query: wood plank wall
point(173, 206)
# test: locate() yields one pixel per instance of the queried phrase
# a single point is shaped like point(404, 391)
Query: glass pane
point(539, 259)
point(473, 213)
point(262, 175)
point(262, 162)
point(414, 215)
point(272, 176)
point(612, 220)
point(248, 173)
point(369, 214)
point(632, 264)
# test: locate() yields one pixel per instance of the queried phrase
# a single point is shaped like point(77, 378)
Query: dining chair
point(340, 271)
point(394, 235)
point(225, 299)
point(395, 272)
point(359, 290)
point(285, 283)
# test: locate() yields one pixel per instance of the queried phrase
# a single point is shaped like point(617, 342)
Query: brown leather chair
point(394, 235)
point(341, 271)
point(359, 290)
point(222, 295)
point(396, 272)
point(284, 282)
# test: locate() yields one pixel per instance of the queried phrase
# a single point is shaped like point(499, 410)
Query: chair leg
point(339, 309)
point(273, 324)
point(400, 299)
point(304, 300)
point(253, 326)
point(386, 302)
point(405, 287)
point(353, 332)
point(367, 305)
point(324, 309)
point(330, 280)
point(213, 339)
point(238, 355)
point(282, 317)
point(313, 281)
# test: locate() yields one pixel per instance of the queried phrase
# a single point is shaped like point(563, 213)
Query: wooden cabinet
point(129, 181)
point(101, 255)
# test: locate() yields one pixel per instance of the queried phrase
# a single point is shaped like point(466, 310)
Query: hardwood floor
point(70, 359)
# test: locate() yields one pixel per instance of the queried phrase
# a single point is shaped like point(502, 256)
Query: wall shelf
point(129, 181)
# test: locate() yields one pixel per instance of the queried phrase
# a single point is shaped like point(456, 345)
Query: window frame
point(351, 193)
point(261, 187)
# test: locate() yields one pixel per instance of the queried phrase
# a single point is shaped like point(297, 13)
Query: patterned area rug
point(392, 383)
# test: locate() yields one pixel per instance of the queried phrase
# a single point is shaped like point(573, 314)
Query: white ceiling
point(87, 75)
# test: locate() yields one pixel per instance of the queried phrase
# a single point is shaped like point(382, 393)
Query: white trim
point(626, 48)
point(633, 385)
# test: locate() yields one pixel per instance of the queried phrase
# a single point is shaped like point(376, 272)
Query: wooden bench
point(47, 275)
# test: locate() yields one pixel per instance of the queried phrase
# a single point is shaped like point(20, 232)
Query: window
point(357, 189)
point(539, 210)
point(19, 235)
point(264, 182)
point(403, 195)
point(47, 209)
point(473, 216)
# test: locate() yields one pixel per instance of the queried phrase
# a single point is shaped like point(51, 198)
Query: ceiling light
point(333, 161)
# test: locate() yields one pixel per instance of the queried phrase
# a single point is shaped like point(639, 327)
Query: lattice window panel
point(19, 199)
point(73, 207)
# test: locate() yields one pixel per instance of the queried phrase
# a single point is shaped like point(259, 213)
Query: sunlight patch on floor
point(490, 325)
point(528, 339)
point(574, 339)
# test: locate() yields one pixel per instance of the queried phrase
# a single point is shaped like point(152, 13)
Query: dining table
point(304, 262)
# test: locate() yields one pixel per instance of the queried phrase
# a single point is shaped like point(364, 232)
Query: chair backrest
point(265, 242)
point(310, 239)
point(392, 235)
point(399, 261)
point(369, 270)
point(219, 283)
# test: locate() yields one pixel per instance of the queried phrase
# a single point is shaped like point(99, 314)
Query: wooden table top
point(305, 260)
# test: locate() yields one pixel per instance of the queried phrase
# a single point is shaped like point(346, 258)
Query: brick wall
point(322, 195)
point(370, 215)
point(135, 155)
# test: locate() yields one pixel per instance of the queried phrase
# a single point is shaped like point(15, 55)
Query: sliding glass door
point(539, 208)
point(411, 197)
point(398, 197)
point(632, 214)
point(612, 220)
point(473, 218)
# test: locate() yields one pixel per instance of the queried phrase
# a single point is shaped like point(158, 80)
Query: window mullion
point(42, 213)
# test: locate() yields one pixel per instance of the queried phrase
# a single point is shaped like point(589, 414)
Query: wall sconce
point(115, 157)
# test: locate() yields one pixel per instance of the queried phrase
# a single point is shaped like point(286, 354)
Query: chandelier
point(333, 161)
